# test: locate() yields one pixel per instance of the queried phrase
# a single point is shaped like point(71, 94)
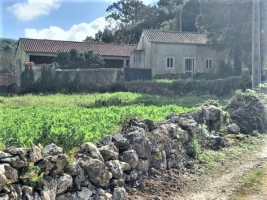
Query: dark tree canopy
point(74, 60)
point(228, 26)
point(126, 11)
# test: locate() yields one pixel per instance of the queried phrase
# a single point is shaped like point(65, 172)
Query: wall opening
point(113, 63)
point(42, 59)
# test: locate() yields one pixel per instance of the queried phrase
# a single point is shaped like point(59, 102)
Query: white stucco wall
point(156, 53)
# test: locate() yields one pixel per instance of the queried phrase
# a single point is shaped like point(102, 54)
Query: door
point(189, 67)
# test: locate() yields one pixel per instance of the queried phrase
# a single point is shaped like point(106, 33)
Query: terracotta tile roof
point(54, 46)
point(175, 37)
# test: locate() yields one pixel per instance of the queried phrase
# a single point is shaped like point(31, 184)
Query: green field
point(69, 120)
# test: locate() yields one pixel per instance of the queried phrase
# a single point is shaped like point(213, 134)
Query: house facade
point(44, 51)
point(175, 52)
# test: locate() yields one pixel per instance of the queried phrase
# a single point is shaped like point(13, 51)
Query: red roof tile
point(55, 46)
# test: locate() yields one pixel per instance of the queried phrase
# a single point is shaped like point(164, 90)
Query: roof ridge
point(174, 31)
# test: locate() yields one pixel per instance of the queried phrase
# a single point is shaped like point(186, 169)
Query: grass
point(69, 120)
point(238, 145)
point(92, 100)
point(255, 183)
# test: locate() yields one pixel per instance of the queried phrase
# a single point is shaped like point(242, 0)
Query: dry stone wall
point(104, 171)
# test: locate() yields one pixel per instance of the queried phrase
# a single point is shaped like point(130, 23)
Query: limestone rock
point(15, 162)
point(50, 188)
point(143, 165)
point(84, 194)
point(53, 165)
point(119, 194)
point(130, 157)
point(5, 155)
point(63, 183)
point(120, 142)
point(233, 128)
point(158, 160)
point(10, 174)
point(97, 171)
point(52, 149)
point(109, 152)
point(115, 168)
point(34, 154)
point(27, 191)
point(140, 144)
point(106, 140)
point(173, 118)
point(90, 150)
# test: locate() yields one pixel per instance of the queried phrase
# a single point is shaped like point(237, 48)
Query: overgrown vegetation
point(48, 82)
point(219, 87)
point(247, 109)
point(64, 120)
point(237, 145)
point(75, 60)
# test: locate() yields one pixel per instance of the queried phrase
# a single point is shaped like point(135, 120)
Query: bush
point(248, 111)
point(27, 80)
point(75, 60)
point(220, 87)
point(10, 88)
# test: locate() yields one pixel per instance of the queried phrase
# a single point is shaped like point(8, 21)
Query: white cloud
point(77, 32)
point(26, 11)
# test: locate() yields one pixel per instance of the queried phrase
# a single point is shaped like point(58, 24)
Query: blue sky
point(53, 19)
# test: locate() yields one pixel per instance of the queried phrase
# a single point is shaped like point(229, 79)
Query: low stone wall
point(94, 77)
point(107, 169)
point(6, 78)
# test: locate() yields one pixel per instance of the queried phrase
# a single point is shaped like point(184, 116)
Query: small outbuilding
point(44, 51)
point(166, 52)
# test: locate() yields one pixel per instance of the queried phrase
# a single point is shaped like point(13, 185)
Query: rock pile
point(104, 170)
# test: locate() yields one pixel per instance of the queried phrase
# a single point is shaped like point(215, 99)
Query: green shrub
point(219, 87)
point(248, 111)
point(75, 60)
point(27, 80)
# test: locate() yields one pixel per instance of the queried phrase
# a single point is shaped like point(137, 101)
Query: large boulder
point(49, 188)
point(233, 128)
point(115, 168)
point(140, 143)
point(32, 154)
point(143, 165)
point(5, 155)
point(120, 142)
point(90, 150)
point(109, 152)
point(11, 174)
point(130, 157)
point(53, 165)
point(15, 162)
point(51, 150)
point(64, 182)
point(96, 170)
point(83, 194)
point(158, 160)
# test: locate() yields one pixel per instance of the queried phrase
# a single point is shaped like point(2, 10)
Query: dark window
point(113, 63)
point(170, 62)
point(42, 59)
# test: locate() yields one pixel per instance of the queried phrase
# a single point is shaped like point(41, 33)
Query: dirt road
point(224, 182)
point(220, 184)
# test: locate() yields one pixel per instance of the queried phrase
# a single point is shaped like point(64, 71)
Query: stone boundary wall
point(104, 171)
point(6, 78)
point(94, 77)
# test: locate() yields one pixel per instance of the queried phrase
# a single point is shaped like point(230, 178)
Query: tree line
point(227, 24)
